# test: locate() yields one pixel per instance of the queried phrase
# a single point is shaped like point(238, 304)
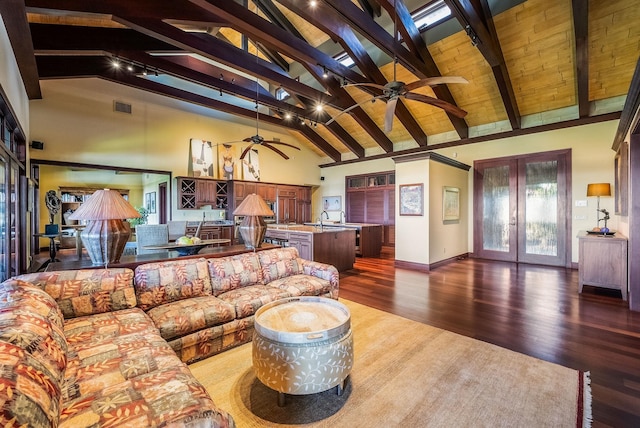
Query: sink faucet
point(321, 214)
point(343, 217)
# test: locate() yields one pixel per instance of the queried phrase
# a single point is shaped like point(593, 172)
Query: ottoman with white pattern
point(303, 345)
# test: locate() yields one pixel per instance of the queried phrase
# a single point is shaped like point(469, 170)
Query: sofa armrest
point(324, 271)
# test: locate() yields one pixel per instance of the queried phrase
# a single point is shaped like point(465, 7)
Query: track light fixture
point(325, 73)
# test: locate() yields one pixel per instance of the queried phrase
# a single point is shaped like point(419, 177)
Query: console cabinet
point(603, 262)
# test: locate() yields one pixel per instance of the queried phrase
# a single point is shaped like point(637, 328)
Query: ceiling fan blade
point(347, 110)
point(267, 145)
point(433, 81)
point(245, 151)
point(372, 85)
point(248, 140)
point(448, 107)
point(281, 143)
point(388, 115)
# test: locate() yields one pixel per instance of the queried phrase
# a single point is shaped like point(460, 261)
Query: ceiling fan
point(395, 90)
point(258, 140)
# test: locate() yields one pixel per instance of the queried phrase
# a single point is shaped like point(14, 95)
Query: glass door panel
point(521, 210)
point(495, 213)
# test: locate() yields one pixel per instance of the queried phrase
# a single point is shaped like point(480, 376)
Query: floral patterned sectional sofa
point(108, 347)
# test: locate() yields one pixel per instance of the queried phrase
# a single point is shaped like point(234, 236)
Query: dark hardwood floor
point(530, 309)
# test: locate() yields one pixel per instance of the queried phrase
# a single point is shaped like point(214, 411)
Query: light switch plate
point(580, 217)
point(581, 202)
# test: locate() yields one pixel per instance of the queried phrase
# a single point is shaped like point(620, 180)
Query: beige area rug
point(408, 374)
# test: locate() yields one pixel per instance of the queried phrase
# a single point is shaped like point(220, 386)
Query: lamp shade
point(253, 205)
point(599, 189)
point(106, 234)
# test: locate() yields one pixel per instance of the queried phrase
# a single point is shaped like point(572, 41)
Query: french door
point(522, 211)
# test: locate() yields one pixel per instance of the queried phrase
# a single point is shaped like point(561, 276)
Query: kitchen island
point(331, 245)
point(368, 236)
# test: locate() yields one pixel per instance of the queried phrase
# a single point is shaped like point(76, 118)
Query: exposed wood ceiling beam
point(15, 21)
point(581, 30)
point(328, 21)
point(277, 17)
point(372, 7)
point(475, 17)
point(254, 26)
point(387, 43)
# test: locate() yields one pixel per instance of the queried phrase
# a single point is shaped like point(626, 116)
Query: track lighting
point(115, 63)
point(313, 3)
point(319, 108)
point(325, 73)
point(287, 115)
point(145, 72)
point(129, 67)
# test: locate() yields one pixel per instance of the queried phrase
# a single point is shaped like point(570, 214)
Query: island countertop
point(305, 228)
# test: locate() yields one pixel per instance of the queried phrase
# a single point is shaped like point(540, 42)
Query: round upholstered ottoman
point(303, 345)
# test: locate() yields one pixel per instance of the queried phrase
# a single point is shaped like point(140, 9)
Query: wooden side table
point(603, 262)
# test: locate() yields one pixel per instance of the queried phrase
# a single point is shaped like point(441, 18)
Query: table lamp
point(600, 189)
point(105, 235)
point(253, 227)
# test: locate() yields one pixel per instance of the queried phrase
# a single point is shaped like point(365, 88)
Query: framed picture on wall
point(332, 203)
point(450, 203)
point(411, 199)
point(150, 202)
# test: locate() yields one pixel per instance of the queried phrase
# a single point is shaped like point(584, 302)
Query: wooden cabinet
point(205, 192)
point(193, 193)
point(304, 243)
point(370, 198)
point(266, 191)
point(210, 231)
point(603, 262)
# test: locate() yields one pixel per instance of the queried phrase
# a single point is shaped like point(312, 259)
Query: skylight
point(281, 94)
point(344, 59)
point(431, 14)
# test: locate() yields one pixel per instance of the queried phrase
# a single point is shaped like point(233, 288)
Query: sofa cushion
point(229, 273)
point(127, 375)
point(186, 316)
point(248, 300)
point(165, 282)
point(302, 285)
point(86, 291)
point(30, 320)
point(279, 263)
point(28, 396)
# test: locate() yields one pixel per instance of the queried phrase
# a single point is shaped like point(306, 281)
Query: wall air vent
point(121, 107)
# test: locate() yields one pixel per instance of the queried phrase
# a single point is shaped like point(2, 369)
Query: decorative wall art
point(200, 158)
point(229, 165)
point(150, 202)
point(332, 203)
point(411, 199)
point(251, 166)
point(450, 203)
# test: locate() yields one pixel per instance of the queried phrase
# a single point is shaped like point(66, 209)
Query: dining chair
point(151, 234)
point(177, 229)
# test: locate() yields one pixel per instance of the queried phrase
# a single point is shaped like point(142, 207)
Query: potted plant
point(144, 214)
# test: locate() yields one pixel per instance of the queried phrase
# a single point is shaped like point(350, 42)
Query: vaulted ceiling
point(530, 64)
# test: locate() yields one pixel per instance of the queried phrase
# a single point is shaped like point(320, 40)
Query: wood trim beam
point(634, 222)
point(372, 7)
point(490, 137)
point(630, 109)
point(14, 15)
point(581, 30)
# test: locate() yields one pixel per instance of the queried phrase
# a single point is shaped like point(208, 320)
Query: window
point(430, 14)
point(281, 94)
point(344, 59)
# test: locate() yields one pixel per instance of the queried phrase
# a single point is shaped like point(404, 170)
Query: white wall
point(413, 232)
point(76, 121)
point(447, 239)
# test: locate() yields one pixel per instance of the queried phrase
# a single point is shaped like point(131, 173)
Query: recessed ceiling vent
point(121, 107)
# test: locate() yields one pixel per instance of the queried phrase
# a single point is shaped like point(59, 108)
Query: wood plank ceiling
point(534, 62)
